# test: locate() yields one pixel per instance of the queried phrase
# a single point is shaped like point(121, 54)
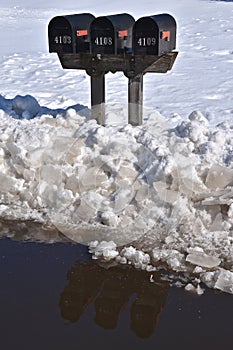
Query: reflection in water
point(110, 290)
point(30, 231)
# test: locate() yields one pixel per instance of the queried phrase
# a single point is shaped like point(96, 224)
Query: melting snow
point(152, 196)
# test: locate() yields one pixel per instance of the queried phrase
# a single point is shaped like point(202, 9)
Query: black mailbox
point(154, 35)
point(70, 33)
point(112, 34)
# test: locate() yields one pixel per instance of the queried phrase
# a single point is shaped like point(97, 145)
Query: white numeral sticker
point(147, 41)
point(63, 39)
point(103, 41)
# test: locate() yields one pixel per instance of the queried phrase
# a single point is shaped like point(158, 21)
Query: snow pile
point(153, 196)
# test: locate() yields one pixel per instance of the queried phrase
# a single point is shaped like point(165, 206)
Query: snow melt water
point(154, 196)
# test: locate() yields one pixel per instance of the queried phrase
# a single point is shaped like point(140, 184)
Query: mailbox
point(112, 34)
point(70, 33)
point(154, 35)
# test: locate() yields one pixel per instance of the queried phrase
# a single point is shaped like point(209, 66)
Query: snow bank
point(155, 196)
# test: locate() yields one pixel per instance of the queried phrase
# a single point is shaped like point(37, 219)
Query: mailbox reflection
point(111, 290)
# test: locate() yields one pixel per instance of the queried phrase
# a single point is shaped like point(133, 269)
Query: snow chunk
point(198, 117)
point(25, 106)
point(136, 257)
point(106, 250)
point(109, 218)
point(191, 288)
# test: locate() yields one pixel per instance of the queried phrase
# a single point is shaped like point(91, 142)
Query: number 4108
point(103, 41)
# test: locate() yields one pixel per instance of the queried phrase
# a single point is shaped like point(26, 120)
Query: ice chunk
point(88, 206)
point(219, 177)
point(198, 270)
point(73, 151)
point(92, 178)
point(51, 174)
point(225, 281)
point(230, 211)
point(221, 279)
point(201, 259)
point(35, 157)
point(10, 184)
point(127, 172)
point(198, 227)
point(217, 224)
point(188, 179)
point(191, 288)
point(166, 195)
point(16, 152)
point(142, 193)
point(122, 198)
point(72, 183)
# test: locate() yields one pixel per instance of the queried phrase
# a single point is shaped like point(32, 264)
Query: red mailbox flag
point(83, 32)
point(122, 33)
point(166, 35)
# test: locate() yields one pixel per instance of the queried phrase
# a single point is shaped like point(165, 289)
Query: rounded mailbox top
point(154, 35)
point(112, 34)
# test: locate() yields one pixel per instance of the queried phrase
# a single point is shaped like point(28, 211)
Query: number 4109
point(147, 41)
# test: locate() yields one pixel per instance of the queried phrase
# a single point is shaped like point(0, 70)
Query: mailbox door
point(145, 37)
point(112, 34)
point(60, 35)
point(103, 39)
point(154, 35)
point(70, 33)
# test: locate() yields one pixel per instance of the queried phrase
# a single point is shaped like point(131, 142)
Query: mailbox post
point(111, 44)
point(135, 100)
point(98, 98)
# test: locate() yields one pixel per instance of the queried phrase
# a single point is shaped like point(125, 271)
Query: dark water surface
point(54, 297)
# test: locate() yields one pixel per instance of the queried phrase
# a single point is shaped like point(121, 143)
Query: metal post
point(135, 100)
point(98, 98)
